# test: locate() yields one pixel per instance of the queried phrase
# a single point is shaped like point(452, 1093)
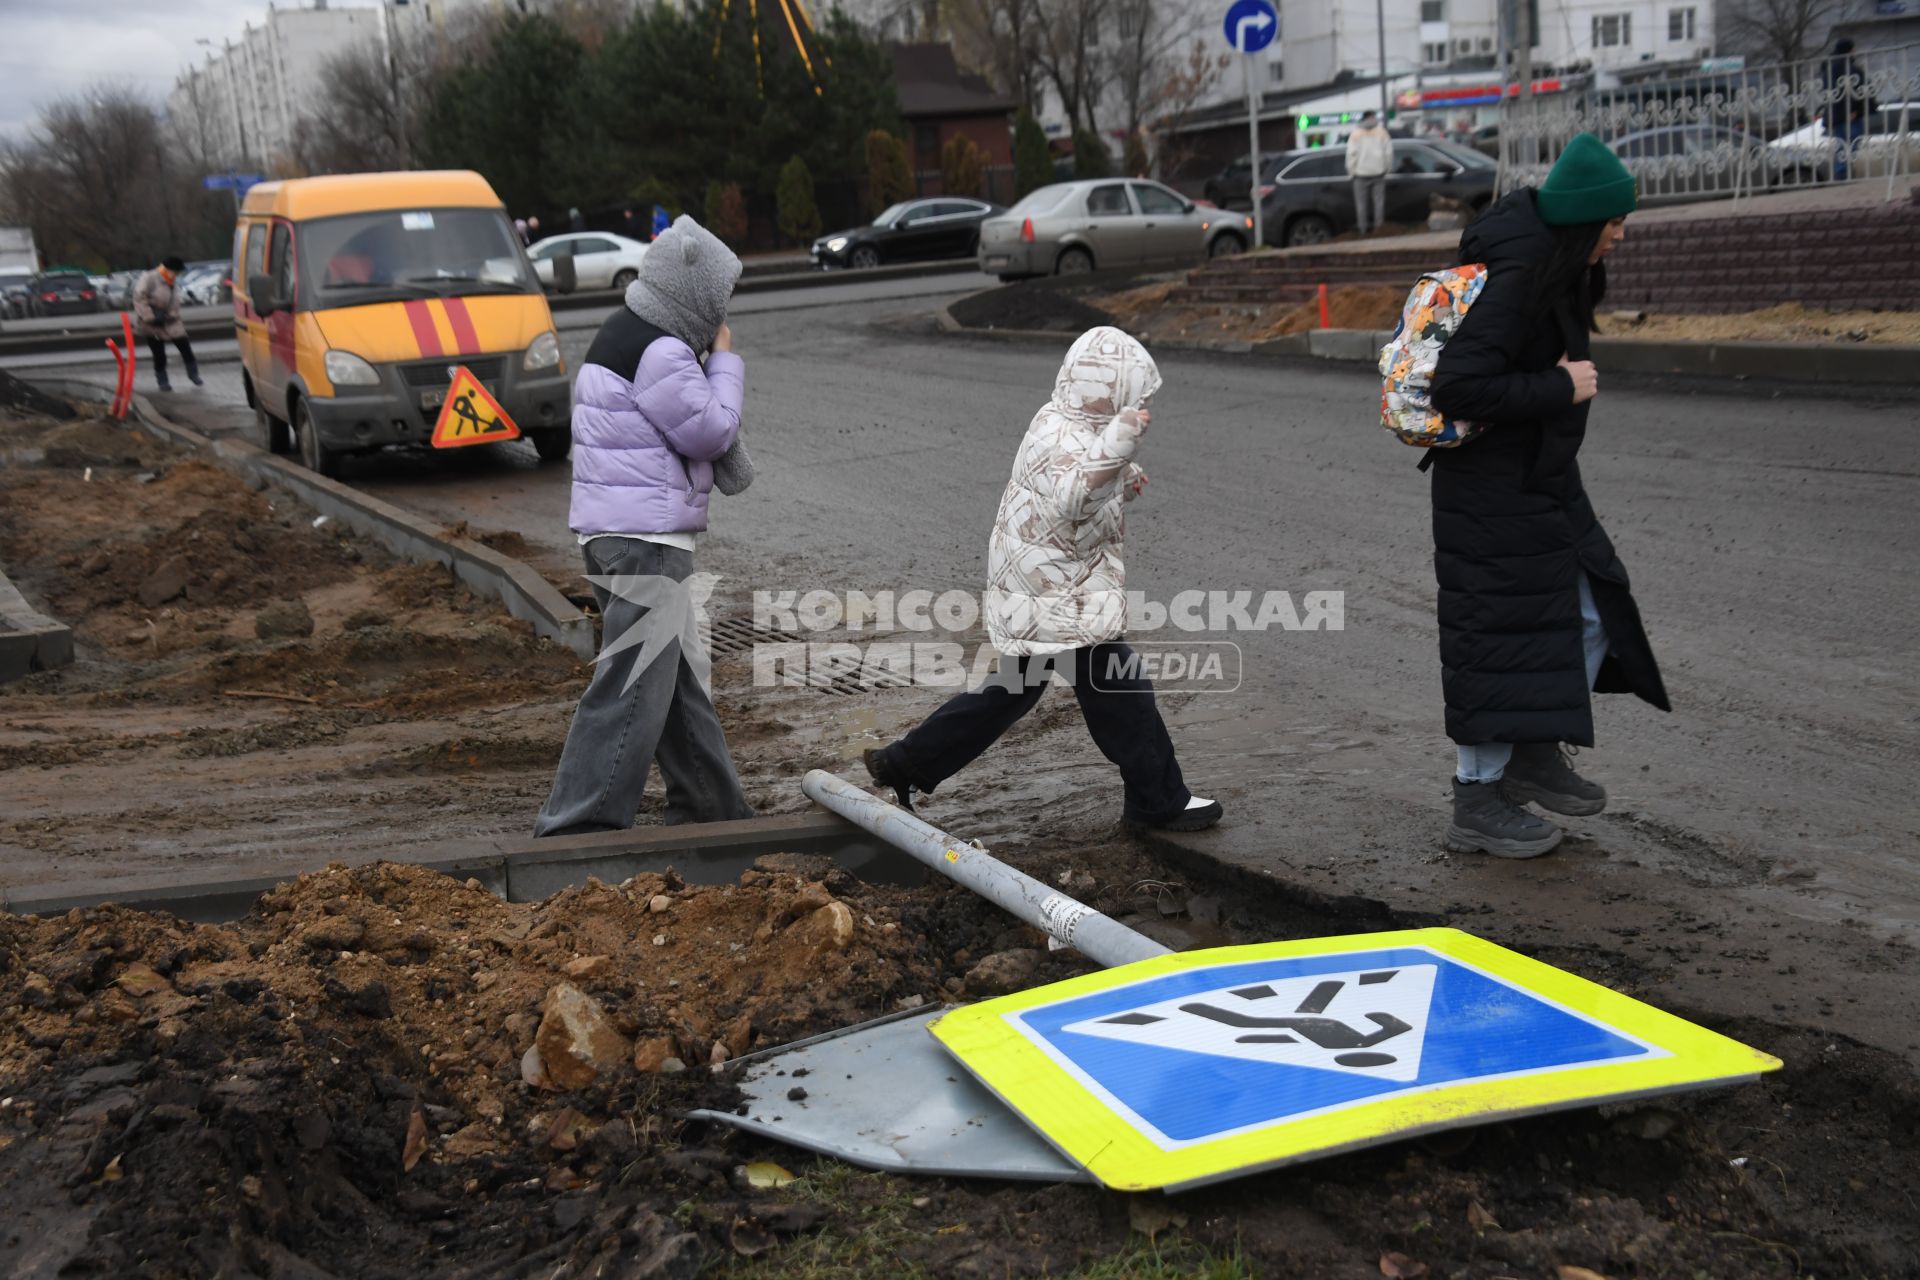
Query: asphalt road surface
point(1759, 853)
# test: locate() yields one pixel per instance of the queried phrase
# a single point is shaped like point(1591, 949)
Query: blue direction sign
point(1190, 1068)
point(231, 181)
point(1251, 25)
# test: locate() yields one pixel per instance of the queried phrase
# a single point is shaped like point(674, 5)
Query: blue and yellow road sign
point(1189, 1068)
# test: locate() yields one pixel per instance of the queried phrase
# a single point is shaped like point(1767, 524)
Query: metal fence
point(1814, 123)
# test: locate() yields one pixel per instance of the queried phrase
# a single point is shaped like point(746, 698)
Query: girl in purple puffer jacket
point(654, 432)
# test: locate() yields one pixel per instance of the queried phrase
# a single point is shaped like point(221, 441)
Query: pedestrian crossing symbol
point(1188, 1068)
point(470, 415)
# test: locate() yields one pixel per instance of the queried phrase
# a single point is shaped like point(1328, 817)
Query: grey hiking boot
point(1486, 820)
point(1542, 773)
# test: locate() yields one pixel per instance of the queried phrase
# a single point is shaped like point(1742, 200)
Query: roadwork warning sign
point(1190, 1068)
point(470, 415)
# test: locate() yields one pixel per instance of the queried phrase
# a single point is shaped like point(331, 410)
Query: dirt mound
point(366, 1071)
point(1029, 306)
point(1373, 306)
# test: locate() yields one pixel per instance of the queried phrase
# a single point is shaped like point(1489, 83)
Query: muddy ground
point(255, 689)
point(368, 1077)
point(340, 1084)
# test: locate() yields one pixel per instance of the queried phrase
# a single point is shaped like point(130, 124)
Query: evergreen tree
point(726, 211)
point(1090, 157)
point(798, 216)
point(963, 167)
point(889, 176)
point(1032, 161)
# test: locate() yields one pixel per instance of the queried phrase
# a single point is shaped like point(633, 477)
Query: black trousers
point(157, 352)
point(1115, 700)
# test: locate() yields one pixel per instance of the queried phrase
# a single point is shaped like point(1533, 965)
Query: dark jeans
point(157, 352)
point(622, 730)
point(1119, 709)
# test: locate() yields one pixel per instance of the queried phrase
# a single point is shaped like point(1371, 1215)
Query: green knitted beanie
point(1588, 184)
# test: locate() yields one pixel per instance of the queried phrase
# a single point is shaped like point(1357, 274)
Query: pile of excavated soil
point(1033, 307)
point(1789, 322)
point(382, 1072)
point(1161, 310)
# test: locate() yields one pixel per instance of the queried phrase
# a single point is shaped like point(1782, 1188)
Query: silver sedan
point(1111, 222)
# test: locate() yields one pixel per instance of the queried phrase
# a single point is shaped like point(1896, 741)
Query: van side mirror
point(260, 294)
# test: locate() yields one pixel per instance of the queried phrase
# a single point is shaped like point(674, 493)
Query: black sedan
point(1311, 198)
point(62, 293)
point(912, 231)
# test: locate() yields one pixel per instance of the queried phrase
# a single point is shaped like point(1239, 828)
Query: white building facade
point(239, 109)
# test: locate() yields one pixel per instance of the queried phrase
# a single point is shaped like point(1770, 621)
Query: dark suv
point(1232, 187)
point(1310, 198)
point(62, 293)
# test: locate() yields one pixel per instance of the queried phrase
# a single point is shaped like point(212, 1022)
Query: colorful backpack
point(1434, 310)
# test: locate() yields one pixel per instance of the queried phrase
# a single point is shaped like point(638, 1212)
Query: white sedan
point(601, 260)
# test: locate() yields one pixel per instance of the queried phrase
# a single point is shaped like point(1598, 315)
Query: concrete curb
point(204, 328)
point(525, 593)
point(29, 640)
point(1854, 364)
point(519, 870)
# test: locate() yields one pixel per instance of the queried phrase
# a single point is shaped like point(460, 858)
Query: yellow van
point(360, 294)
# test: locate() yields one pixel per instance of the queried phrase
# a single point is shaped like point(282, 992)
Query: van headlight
point(345, 369)
point(542, 353)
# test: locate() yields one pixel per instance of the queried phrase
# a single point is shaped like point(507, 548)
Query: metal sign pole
point(1253, 152)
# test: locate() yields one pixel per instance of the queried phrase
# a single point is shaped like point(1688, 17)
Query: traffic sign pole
point(1253, 151)
point(1250, 27)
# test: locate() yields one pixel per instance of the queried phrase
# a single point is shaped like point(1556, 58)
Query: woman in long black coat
point(1535, 610)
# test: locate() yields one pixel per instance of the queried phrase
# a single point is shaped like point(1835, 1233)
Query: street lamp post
point(1380, 33)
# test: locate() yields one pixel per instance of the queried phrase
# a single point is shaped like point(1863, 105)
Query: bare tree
point(1071, 51)
point(98, 178)
point(1180, 90)
point(1000, 37)
point(359, 122)
point(1787, 30)
point(1149, 33)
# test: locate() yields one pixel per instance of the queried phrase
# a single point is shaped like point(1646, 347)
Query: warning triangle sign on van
point(470, 415)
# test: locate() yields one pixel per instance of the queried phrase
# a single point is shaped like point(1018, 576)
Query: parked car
point(1232, 187)
point(119, 290)
point(1072, 227)
point(205, 284)
point(1680, 162)
point(601, 260)
point(912, 231)
point(1888, 131)
point(62, 293)
point(1311, 198)
point(13, 294)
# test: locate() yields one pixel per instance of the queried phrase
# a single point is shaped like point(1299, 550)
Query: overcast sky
point(55, 48)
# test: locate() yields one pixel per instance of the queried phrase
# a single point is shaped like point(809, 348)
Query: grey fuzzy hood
point(686, 281)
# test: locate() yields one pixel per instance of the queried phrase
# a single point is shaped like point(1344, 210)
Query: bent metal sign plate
point(1190, 1068)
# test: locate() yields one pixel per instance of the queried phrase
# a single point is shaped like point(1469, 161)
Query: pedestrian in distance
point(576, 221)
point(520, 229)
point(156, 313)
point(1850, 104)
point(1535, 610)
point(1056, 599)
point(533, 228)
point(1369, 159)
point(656, 427)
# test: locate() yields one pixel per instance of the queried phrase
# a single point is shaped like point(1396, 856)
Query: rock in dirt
point(651, 1054)
point(140, 981)
point(828, 928)
point(1003, 971)
point(168, 580)
point(532, 1070)
point(576, 1040)
point(334, 933)
point(587, 966)
point(283, 620)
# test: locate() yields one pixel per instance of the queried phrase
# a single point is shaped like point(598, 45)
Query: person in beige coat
point(1056, 599)
point(1369, 160)
point(156, 313)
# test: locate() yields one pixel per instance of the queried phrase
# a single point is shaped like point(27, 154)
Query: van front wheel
point(314, 456)
point(553, 444)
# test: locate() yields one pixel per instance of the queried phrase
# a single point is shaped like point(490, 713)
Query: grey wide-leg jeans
point(620, 731)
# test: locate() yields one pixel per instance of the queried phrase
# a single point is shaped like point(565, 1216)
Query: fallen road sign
point(1191, 1068)
point(470, 415)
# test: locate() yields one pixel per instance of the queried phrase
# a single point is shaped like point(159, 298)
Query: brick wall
point(1848, 259)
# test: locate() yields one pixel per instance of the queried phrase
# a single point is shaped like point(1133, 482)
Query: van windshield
point(421, 253)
